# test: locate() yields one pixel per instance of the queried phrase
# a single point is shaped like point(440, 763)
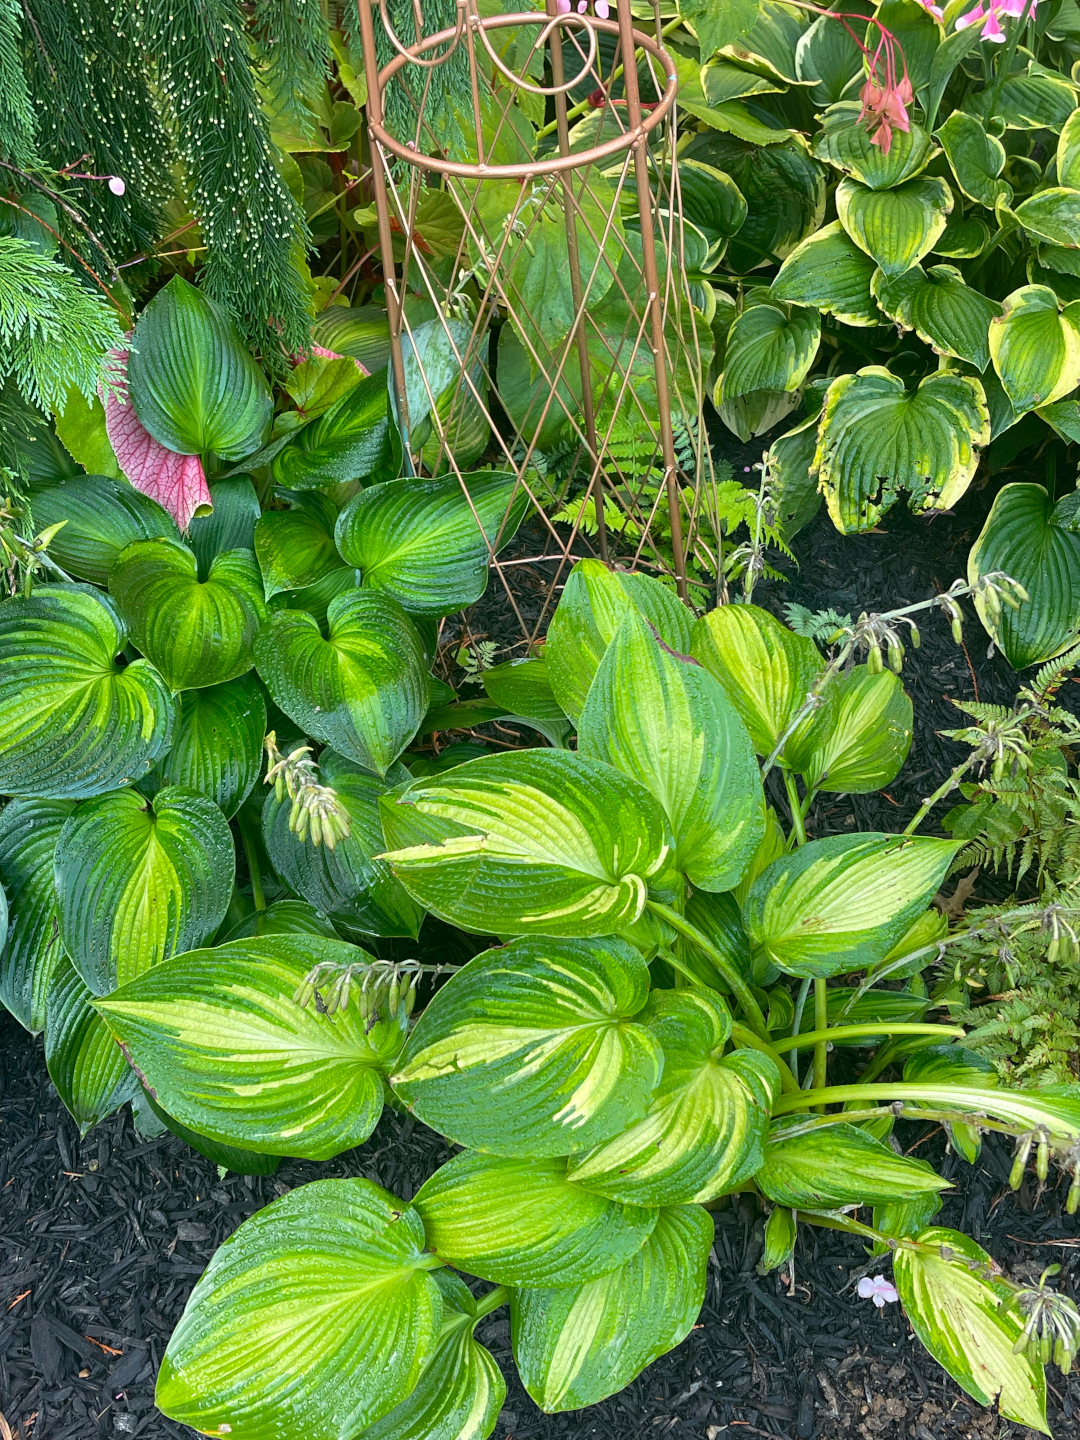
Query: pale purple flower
point(992, 12)
point(116, 185)
point(875, 1287)
point(932, 9)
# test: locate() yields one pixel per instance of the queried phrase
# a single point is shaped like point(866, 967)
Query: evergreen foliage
point(292, 48)
point(16, 114)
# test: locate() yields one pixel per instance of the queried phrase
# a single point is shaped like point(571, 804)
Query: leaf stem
point(739, 988)
point(744, 1036)
point(253, 866)
point(951, 780)
point(821, 1024)
point(839, 1033)
point(492, 1301)
point(795, 805)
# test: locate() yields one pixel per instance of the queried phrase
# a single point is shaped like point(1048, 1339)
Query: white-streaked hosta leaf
point(977, 159)
point(334, 1272)
point(295, 548)
point(532, 1049)
point(876, 437)
point(953, 318)
point(28, 835)
point(72, 721)
point(841, 904)
point(666, 721)
point(521, 1222)
point(221, 1045)
point(840, 1165)
point(217, 749)
point(844, 142)
point(706, 1127)
point(139, 880)
point(1035, 347)
point(1052, 215)
point(769, 348)
point(954, 1305)
point(541, 841)
point(895, 227)
point(830, 271)
point(579, 1343)
point(866, 735)
point(101, 516)
point(85, 1063)
point(363, 690)
point(1020, 538)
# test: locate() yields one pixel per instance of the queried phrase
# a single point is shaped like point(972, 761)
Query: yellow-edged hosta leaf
point(830, 271)
point(977, 159)
point(1035, 347)
point(895, 227)
point(844, 141)
point(952, 317)
point(769, 348)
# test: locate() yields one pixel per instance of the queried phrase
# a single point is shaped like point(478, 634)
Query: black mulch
point(102, 1240)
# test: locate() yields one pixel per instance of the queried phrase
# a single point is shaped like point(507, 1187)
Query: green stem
point(821, 1024)
point(950, 781)
point(738, 986)
point(744, 1036)
point(960, 1100)
point(492, 1301)
point(1005, 63)
point(795, 805)
point(854, 1032)
point(796, 1020)
point(253, 867)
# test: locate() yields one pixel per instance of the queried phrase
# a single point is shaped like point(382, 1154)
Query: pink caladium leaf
point(175, 481)
point(325, 354)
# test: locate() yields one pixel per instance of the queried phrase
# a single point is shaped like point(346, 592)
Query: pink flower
point(991, 12)
point(116, 185)
point(932, 9)
point(883, 1292)
point(885, 106)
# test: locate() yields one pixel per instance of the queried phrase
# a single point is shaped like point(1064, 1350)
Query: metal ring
point(455, 35)
point(553, 21)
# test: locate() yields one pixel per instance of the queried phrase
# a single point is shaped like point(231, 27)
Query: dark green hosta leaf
point(28, 962)
point(794, 488)
point(354, 440)
point(955, 1306)
point(139, 880)
point(102, 516)
point(295, 548)
point(346, 882)
point(844, 141)
point(769, 349)
point(521, 1222)
point(218, 746)
point(72, 722)
point(665, 721)
point(217, 1038)
point(1028, 101)
point(193, 381)
point(532, 1049)
point(895, 227)
point(707, 1125)
point(229, 526)
point(830, 271)
point(840, 1165)
point(363, 690)
point(828, 59)
point(1068, 151)
point(579, 1343)
point(283, 917)
point(1020, 538)
point(229, 1157)
point(85, 1063)
point(196, 633)
point(841, 904)
point(524, 691)
point(713, 202)
point(867, 734)
point(540, 841)
point(953, 318)
point(359, 1306)
point(977, 159)
point(1035, 347)
point(429, 542)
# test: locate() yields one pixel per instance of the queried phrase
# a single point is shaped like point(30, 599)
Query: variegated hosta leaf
point(706, 1127)
point(101, 516)
point(28, 835)
point(579, 1343)
point(841, 904)
point(220, 1042)
point(866, 737)
point(1054, 1108)
point(951, 316)
point(769, 349)
point(830, 271)
point(1052, 215)
point(72, 722)
point(1068, 151)
point(840, 1165)
point(895, 227)
point(521, 1222)
point(664, 720)
point(138, 880)
point(795, 494)
point(954, 1305)
point(532, 1049)
point(1035, 347)
point(844, 141)
point(315, 1318)
point(218, 746)
point(977, 159)
point(956, 1065)
point(540, 841)
point(86, 1065)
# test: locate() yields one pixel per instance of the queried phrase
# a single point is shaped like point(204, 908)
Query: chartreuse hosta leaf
point(895, 227)
point(952, 317)
point(196, 633)
point(72, 722)
point(839, 1165)
point(363, 689)
point(1035, 347)
point(593, 605)
point(977, 159)
point(217, 1038)
point(217, 749)
point(101, 516)
point(955, 1306)
point(705, 1130)
point(523, 688)
point(193, 381)
point(295, 548)
point(876, 437)
point(533, 1049)
point(769, 348)
point(347, 882)
point(28, 835)
point(867, 734)
point(138, 880)
point(666, 721)
point(353, 440)
point(429, 542)
point(844, 141)
point(1052, 215)
point(335, 1273)
point(539, 840)
point(579, 1343)
point(830, 271)
point(522, 1222)
point(1020, 538)
point(85, 1063)
point(840, 904)
point(954, 1064)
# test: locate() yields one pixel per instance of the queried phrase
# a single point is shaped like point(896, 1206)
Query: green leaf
point(29, 960)
point(830, 271)
point(768, 349)
point(895, 227)
point(358, 1306)
point(521, 1222)
point(218, 746)
point(840, 1165)
point(1020, 538)
point(283, 917)
point(828, 59)
point(229, 1157)
point(81, 428)
point(295, 548)
point(1028, 101)
point(354, 440)
point(139, 880)
point(844, 142)
point(221, 1045)
point(665, 721)
point(1052, 215)
point(949, 315)
point(197, 633)
point(348, 882)
point(977, 159)
point(319, 382)
point(877, 438)
point(193, 382)
point(867, 735)
point(954, 1305)
point(963, 238)
point(72, 722)
point(1035, 346)
point(841, 904)
point(429, 543)
point(704, 1132)
point(540, 841)
point(532, 1049)
point(85, 1063)
point(362, 690)
point(522, 687)
point(229, 526)
point(102, 515)
point(1068, 152)
point(713, 202)
point(719, 26)
point(794, 489)
point(362, 332)
point(579, 1343)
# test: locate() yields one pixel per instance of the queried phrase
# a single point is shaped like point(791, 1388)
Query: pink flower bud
point(116, 185)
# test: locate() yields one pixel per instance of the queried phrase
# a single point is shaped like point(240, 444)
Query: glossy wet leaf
point(102, 516)
point(840, 1165)
point(830, 271)
point(29, 959)
point(769, 349)
point(85, 1063)
point(351, 441)
point(1035, 347)
point(217, 747)
point(867, 734)
point(794, 487)
point(229, 526)
point(522, 687)
point(295, 548)
point(952, 317)
point(897, 227)
point(1028, 100)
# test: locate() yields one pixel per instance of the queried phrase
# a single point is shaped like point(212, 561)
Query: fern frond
point(1050, 676)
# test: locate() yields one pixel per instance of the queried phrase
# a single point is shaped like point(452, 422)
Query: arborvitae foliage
point(16, 113)
point(292, 47)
